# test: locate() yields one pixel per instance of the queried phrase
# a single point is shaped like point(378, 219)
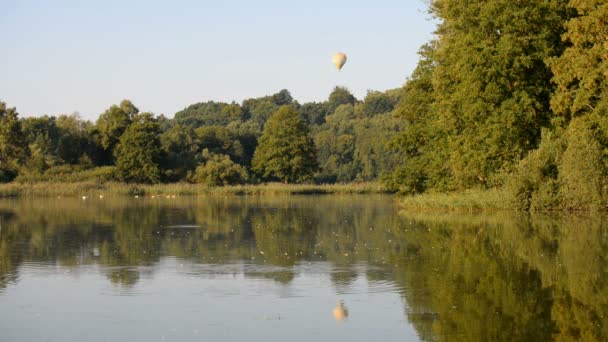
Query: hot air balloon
point(339, 59)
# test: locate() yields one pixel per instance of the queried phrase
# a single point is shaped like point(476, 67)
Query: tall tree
point(422, 143)
point(285, 152)
point(138, 152)
point(581, 73)
point(114, 122)
point(11, 142)
point(492, 84)
point(180, 149)
point(338, 97)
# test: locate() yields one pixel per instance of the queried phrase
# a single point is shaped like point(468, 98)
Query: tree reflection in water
point(463, 277)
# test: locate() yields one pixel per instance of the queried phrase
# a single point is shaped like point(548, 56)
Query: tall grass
point(53, 189)
point(469, 200)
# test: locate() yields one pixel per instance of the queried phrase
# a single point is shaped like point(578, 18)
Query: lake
point(296, 268)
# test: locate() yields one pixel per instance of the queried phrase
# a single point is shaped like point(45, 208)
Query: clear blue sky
point(74, 55)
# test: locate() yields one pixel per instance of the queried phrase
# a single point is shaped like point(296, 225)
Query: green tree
point(42, 136)
point(206, 114)
point(180, 149)
point(73, 142)
point(422, 142)
point(221, 140)
point(335, 143)
point(114, 122)
point(492, 83)
point(338, 97)
point(219, 170)
point(138, 152)
point(11, 142)
point(314, 113)
point(260, 109)
point(581, 72)
point(282, 98)
point(377, 102)
point(285, 151)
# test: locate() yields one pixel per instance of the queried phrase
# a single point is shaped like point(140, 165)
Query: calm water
point(340, 268)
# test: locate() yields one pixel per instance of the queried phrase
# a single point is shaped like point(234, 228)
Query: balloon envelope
point(338, 59)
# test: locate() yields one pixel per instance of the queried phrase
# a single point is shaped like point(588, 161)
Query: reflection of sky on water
point(181, 301)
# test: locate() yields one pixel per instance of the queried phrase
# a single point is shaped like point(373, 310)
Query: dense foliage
point(509, 94)
point(212, 143)
point(285, 152)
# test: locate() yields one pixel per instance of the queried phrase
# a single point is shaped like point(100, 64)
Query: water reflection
point(507, 277)
point(340, 312)
point(491, 277)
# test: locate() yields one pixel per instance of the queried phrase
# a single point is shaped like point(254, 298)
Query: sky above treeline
point(65, 56)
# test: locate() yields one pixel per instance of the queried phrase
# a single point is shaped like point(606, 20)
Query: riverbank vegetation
point(268, 139)
point(91, 190)
point(509, 97)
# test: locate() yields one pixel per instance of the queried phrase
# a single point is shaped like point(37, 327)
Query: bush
point(70, 174)
point(567, 171)
point(219, 169)
point(7, 175)
point(583, 172)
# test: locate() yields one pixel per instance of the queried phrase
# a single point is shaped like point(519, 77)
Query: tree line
point(510, 95)
point(272, 138)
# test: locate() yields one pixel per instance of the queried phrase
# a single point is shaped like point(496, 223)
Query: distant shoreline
point(93, 189)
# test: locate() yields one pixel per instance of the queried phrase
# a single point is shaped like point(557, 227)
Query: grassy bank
point(179, 189)
point(469, 200)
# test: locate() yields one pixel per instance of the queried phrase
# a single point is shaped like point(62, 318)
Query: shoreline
point(464, 201)
point(54, 189)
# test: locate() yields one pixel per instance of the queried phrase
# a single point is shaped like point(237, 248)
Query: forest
point(273, 138)
point(509, 95)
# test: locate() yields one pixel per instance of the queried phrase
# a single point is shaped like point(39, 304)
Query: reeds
point(53, 189)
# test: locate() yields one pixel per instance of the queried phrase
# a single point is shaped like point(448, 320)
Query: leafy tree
point(165, 123)
point(313, 113)
point(372, 157)
point(233, 112)
point(42, 137)
point(282, 98)
point(11, 142)
point(581, 72)
point(219, 170)
point(205, 114)
point(422, 142)
point(260, 109)
point(376, 102)
point(220, 140)
point(491, 82)
point(285, 151)
point(339, 96)
point(180, 146)
point(74, 139)
point(45, 126)
point(335, 141)
point(138, 152)
point(114, 122)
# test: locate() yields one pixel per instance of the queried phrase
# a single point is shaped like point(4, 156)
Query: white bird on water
point(84, 198)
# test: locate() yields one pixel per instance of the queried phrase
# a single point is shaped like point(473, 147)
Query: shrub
point(567, 171)
point(219, 169)
point(7, 175)
point(69, 174)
